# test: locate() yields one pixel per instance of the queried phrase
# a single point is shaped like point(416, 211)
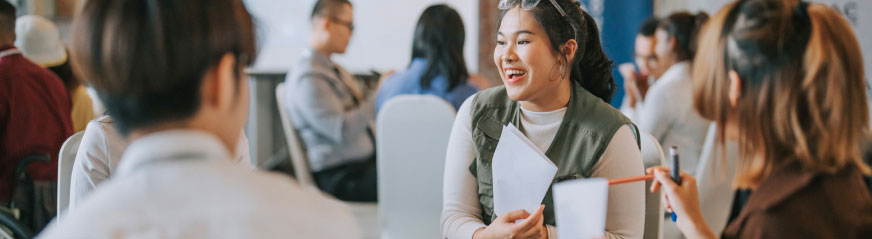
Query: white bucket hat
point(39, 40)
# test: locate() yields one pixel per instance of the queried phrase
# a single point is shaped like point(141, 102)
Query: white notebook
point(521, 173)
point(580, 207)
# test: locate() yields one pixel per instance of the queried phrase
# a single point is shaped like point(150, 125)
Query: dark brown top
point(798, 203)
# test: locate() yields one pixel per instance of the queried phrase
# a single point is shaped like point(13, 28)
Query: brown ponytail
point(802, 86)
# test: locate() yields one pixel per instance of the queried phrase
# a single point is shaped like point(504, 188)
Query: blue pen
point(674, 171)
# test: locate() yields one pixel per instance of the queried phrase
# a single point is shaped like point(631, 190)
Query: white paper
point(580, 207)
point(521, 173)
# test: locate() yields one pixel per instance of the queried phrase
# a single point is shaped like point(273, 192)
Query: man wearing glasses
point(636, 83)
point(330, 111)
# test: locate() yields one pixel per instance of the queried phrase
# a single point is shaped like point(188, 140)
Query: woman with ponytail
point(557, 82)
point(785, 80)
point(666, 111)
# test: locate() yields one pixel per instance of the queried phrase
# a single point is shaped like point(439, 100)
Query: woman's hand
point(635, 84)
point(683, 200)
point(531, 227)
point(628, 71)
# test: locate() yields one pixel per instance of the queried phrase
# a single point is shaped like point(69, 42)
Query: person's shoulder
point(97, 129)
point(18, 67)
point(273, 185)
point(104, 211)
point(308, 65)
point(602, 110)
point(841, 197)
point(492, 96)
point(494, 91)
point(71, 229)
point(286, 198)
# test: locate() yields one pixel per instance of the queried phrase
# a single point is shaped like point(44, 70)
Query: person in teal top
point(437, 66)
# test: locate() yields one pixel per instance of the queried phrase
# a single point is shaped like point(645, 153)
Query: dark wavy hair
point(590, 67)
point(439, 38)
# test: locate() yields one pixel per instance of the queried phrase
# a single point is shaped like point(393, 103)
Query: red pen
point(631, 179)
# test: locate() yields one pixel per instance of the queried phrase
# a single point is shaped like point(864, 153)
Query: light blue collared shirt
point(409, 82)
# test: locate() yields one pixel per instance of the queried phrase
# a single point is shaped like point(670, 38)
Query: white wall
point(382, 37)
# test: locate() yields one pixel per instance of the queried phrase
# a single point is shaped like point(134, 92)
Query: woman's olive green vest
point(584, 134)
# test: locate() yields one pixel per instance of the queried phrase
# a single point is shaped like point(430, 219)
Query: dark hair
point(590, 67)
point(649, 27)
point(146, 58)
point(65, 73)
point(326, 7)
point(439, 38)
point(684, 28)
point(7, 19)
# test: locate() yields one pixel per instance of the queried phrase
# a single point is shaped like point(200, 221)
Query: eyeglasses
point(530, 4)
point(348, 24)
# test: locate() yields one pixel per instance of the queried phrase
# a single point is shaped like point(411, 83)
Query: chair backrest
point(299, 160)
point(714, 179)
point(66, 160)
point(411, 140)
point(652, 155)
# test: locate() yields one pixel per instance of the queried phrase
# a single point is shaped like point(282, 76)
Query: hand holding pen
point(681, 197)
point(674, 171)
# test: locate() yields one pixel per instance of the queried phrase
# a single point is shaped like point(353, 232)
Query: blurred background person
point(667, 112)
point(40, 41)
point(34, 120)
point(331, 111)
point(437, 66)
point(636, 82)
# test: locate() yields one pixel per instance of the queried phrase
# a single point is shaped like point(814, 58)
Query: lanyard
point(9, 52)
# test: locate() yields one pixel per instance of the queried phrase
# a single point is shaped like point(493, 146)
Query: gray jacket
point(333, 126)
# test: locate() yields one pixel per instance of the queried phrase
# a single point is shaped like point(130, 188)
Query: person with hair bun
point(784, 79)
point(666, 112)
point(557, 84)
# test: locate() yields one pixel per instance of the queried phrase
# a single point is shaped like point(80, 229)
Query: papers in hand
point(580, 207)
point(521, 173)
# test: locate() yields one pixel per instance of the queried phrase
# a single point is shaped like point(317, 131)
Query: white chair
point(299, 160)
point(652, 155)
point(412, 138)
point(66, 160)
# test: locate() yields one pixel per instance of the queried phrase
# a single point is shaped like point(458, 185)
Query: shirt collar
point(172, 145)
point(319, 58)
point(8, 51)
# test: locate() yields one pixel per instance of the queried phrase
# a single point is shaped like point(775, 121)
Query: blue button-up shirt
point(409, 82)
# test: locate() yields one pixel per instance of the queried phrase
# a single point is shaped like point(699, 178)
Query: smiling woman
point(557, 82)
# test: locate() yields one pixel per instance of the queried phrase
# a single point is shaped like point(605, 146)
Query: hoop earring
point(562, 72)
